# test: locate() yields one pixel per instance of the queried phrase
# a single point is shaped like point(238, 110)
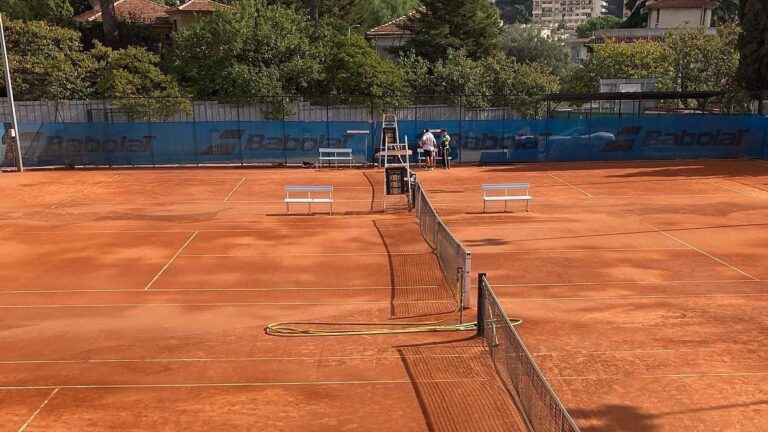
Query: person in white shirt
point(428, 143)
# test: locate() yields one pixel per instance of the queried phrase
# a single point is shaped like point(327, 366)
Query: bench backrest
point(335, 150)
point(505, 187)
point(308, 189)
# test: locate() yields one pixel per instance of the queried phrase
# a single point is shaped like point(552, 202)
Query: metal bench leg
point(505, 206)
point(484, 204)
point(287, 208)
point(528, 205)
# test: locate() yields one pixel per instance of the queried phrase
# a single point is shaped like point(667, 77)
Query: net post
point(480, 305)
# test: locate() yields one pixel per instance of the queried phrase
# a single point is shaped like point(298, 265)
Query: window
point(658, 16)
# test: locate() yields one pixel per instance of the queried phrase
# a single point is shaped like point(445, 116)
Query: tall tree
point(53, 10)
point(589, 26)
point(109, 21)
point(515, 11)
point(752, 73)
point(528, 45)
point(371, 13)
point(638, 16)
point(314, 12)
point(471, 26)
point(727, 11)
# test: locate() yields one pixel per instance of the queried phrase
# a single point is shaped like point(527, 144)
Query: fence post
point(480, 305)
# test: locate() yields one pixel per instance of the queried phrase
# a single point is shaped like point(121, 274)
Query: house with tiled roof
point(190, 11)
point(389, 36)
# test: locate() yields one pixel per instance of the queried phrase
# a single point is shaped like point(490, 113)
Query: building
point(387, 37)
point(570, 13)
point(189, 12)
point(667, 14)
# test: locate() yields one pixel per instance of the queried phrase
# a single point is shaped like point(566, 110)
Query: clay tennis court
point(137, 299)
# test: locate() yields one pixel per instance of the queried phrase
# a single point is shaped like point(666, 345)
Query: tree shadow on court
point(457, 387)
point(418, 286)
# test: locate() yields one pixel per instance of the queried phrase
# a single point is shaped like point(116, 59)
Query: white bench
point(420, 156)
point(325, 191)
point(335, 155)
point(488, 194)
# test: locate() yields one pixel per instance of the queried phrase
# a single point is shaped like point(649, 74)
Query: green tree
point(249, 52)
point(638, 16)
point(727, 11)
point(372, 13)
point(54, 10)
point(705, 62)
point(589, 26)
point(132, 79)
point(47, 62)
point(471, 26)
point(520, 86)
point(620, 60)
point(752, 72)
point(528, 45)
point(515, 11)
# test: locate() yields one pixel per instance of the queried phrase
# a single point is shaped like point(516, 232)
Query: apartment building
point(569, 12)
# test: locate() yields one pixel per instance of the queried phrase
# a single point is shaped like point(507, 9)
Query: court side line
point(114, 176)
point(119, 305)
point(704, 253)
point(626, 283)
point(234, 189)
point(40, 408)
point(477, 250)
point(631, 297)
point(158, 290)
point(189, 240)
point(639, 351)
point(563, 181)
point(683, 375)
point(241, 384)
point(715, 184)
point(307, 254)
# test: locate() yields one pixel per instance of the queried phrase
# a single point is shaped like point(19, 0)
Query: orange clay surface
point(136, 300)
point(643, 286)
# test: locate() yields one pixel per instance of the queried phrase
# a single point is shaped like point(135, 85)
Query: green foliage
point(372, 13)
point(519, 85)
point(589, 26)
point(727, 11)
point(638, 16)
point(619, 60)
point(515, 11)
point(471, 26)
point(47, 62)
point(527, 45)
point(132, 79)
point(54, 10)
point(752, 72)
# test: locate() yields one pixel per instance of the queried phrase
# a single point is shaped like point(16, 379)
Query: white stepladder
point(308, 198)
point(506, 187)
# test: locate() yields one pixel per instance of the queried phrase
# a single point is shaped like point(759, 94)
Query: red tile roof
point(197, 6)
point(682, 4)
point(391, 28)
point(143, 11)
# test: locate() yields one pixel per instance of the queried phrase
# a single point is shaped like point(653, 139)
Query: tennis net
point(516, 368)
point(455, 260)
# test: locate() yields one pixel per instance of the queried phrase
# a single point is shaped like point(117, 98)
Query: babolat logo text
point(59, 145)
point(228, 141)
point(686, 138)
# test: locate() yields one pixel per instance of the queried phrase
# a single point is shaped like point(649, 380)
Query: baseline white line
point(563, 181)
point(114, 176)
point(40, 408)
point(683, 375)
point(243, 304)
point(192, 237)
point(308, 254)
point(160, 290)
point(702, 252)
point(638, 351)
point(234, 189)
point(625, 283)
point(238, 359)
point(715, 184)
point(477, 250)
point(241, 384)
point(631, 297)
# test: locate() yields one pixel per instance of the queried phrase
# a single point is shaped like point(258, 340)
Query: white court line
point(319, 228)
point(476, 250)
point(234, 189)
point(309, 254)
point(704, 253)
point(159, 290)
point(239, 384)
point(243, 304)
point(682, 375)
point(637, 351)
point(40, 408)
point(659, 296)
point(563, 181)
point(558, 284)
point(715, 184)
point(114, 176)
point(479, 350)
point(192, 237)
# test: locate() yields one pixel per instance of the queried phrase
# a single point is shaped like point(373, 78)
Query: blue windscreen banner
point(473, 141)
